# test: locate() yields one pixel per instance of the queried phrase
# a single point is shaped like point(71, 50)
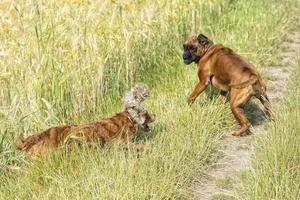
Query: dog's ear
point(202, 39)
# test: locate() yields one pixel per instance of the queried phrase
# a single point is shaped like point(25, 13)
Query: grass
point(71, 61)
point(222, 197)
point(276, 168)
point(225, 183)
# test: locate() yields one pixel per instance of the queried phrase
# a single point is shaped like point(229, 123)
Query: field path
point(222, 180)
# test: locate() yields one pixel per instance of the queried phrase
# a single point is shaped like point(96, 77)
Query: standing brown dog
point(227, 71)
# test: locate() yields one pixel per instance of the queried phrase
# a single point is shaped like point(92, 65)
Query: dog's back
point(100, 132)
point(42, 142)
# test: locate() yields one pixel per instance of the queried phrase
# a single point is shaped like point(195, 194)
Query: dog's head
point(149, 118)
point(141, 91)
point(194, 48)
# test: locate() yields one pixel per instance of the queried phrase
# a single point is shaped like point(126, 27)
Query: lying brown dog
point(120, 125)
point(123, 125)
point(227, 71)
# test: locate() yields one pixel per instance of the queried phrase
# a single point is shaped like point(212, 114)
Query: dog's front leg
point(200, 87)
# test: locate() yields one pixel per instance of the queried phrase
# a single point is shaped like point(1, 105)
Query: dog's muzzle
point(190, 56)
point(187, 58)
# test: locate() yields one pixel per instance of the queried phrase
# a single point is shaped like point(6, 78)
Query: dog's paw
point(191, 101)
point(235, 133)
point(146, 128)
point(139, 147)
point(222, 99)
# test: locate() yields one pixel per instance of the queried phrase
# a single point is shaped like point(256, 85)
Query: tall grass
point(70, 61)
point(276, 169)
point(63, 59)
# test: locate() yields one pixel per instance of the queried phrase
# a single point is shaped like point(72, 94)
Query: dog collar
point(209, 48)
point(207, 52)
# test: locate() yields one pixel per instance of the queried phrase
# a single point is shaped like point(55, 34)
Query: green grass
point(276, 168)
point(70, 62)
point(225, 183)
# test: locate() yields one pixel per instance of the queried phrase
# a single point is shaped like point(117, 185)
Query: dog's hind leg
point(259, 89)
point(266, 103)
point(239, 97)
point(222, 97)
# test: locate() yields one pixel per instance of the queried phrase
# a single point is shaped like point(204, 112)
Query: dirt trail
point(236, 152)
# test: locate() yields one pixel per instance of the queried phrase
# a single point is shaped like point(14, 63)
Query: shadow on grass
point(255, 113)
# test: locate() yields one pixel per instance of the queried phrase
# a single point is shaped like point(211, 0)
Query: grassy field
point(276, 168)
point(71, 61)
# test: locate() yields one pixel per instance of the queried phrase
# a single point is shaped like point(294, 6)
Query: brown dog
point(121, 126)
point(227, 71)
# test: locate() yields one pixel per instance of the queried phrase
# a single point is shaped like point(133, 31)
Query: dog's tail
point(25, 144)
point(19, 141)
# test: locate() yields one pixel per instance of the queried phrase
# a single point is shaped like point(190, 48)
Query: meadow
point(71, 62)
point(275, 173)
